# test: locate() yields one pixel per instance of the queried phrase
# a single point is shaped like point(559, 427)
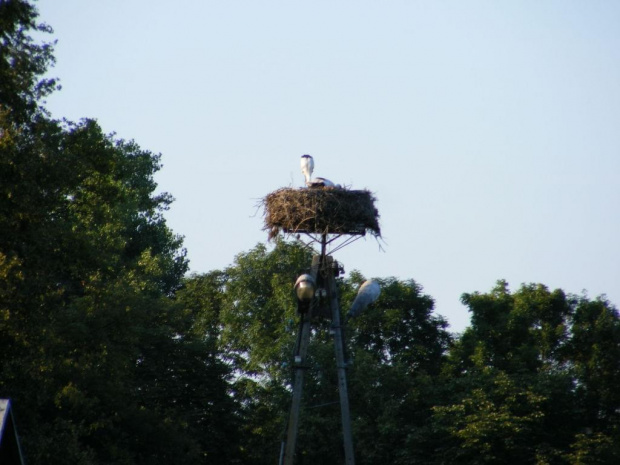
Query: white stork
point(321, 182)
point(307, 166)
point(368, 292)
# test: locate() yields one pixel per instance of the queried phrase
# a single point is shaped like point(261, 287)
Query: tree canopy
point(112, 354)
point(96, 353)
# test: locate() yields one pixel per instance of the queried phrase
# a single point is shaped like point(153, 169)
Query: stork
point(321, 182)
point(368, 292)
point(307, 167)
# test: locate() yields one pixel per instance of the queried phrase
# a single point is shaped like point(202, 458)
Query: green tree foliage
point(102, 361)
point(593, 357)
point(257, 302)
point(494, 423)
point(254, 301)
point(111, 355)
point(22, 62)
point(532, 380)
point(398, 347)
point(396, 350)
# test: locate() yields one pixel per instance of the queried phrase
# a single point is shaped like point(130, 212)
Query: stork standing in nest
point(307, 166)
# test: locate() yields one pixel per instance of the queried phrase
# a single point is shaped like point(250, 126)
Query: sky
point(488, 131)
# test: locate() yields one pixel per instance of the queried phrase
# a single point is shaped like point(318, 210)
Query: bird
point(307, 167)
point(368, 293)
point(320, 182)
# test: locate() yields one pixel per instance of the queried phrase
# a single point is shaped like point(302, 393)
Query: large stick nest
point(321, 210)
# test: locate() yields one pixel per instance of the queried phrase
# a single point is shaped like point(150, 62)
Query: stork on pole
point(322, 208)
point(324, 271)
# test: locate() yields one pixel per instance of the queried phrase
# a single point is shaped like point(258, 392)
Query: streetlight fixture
point(304, 289)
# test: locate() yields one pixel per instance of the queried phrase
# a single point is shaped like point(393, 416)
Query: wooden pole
point(327, 267)
point(300, 367)
point(332, 294)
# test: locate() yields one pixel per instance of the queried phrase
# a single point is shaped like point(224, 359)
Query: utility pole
point(324, 271)
point(341, 364)
point(299, 360)
point(324, 213)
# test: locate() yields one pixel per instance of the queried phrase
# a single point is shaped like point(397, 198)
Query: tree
point(23, 62)
point(259, 307)
point(519, 332)
point(90, 270)
point(520, 380)
point(396, 349)
point(495, 422)
point(257, 338)
point(593, 358)
point(101, 360)
point(398, 346)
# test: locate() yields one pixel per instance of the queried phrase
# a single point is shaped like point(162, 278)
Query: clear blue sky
point(489, 131)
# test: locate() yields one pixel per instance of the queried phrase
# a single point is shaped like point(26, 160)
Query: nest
point(321, 211)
